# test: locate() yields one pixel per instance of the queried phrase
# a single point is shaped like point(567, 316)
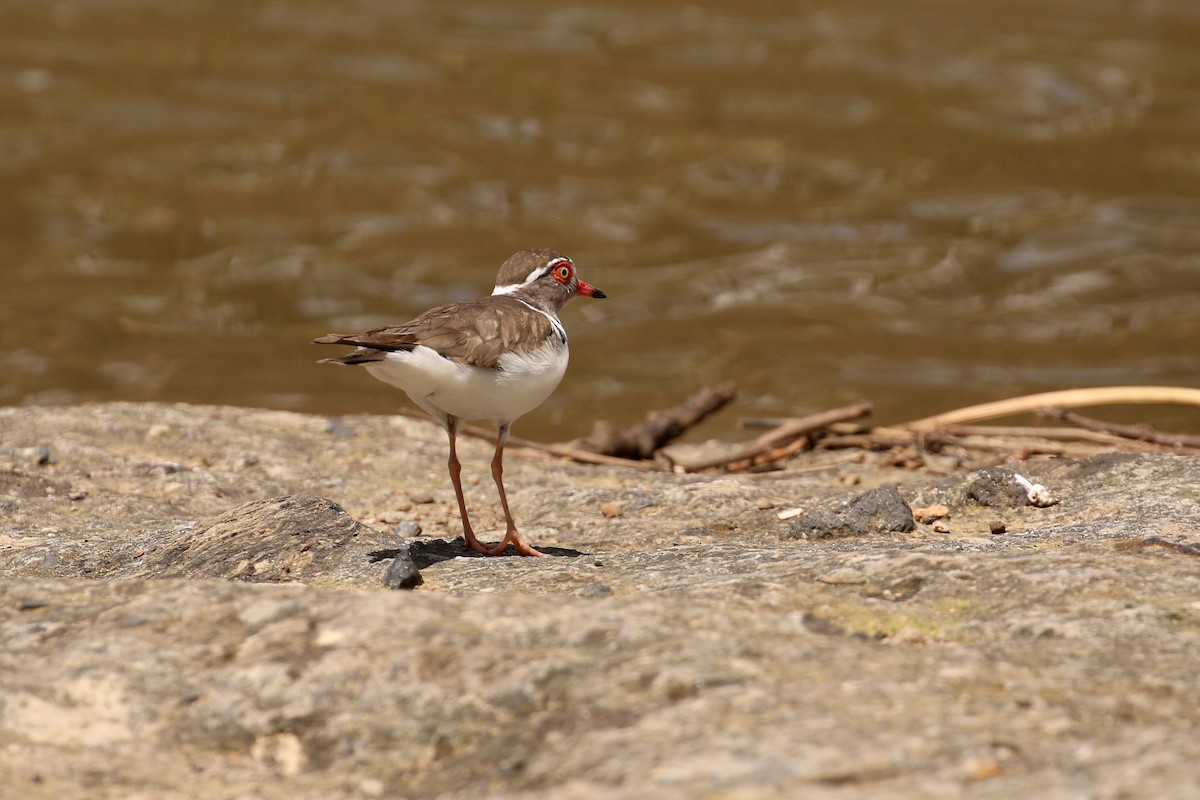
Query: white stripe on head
point(533, 276)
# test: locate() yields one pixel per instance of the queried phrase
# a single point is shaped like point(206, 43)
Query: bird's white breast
point(441, 386)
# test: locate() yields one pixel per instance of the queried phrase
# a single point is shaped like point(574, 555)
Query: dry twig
point(1069, 398)
point(641, 440)
point(575, 454)
point(783, 441)
point(1141, 433)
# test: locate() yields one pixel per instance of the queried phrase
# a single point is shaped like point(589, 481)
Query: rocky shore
point(210, 602)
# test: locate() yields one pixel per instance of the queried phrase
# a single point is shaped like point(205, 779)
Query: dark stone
point(403, 573)
point(997, 488)
point(821, 625)
point(880, 510)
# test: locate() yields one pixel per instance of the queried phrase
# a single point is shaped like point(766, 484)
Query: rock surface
point(193, 604)
point(288, 538)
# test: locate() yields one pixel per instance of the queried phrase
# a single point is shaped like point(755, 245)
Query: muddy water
point(921, 204)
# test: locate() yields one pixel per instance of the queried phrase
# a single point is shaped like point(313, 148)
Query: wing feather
point(476, 333)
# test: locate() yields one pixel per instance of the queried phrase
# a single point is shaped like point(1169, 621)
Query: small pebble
point(340, 428)
point(157, 431)
point(763, 504)
point(45, 455)
point(940, 527)
point(403, 573)
point(998, 527)
point(821, 625)
point(371, 787)
point(982, 768)
point(420, 498)
point(77, 494)
point(930, 514)
point(907, 635)
point(409, 528)
point(612, 509)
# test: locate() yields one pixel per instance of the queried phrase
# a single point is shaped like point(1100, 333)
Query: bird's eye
point(562, 273)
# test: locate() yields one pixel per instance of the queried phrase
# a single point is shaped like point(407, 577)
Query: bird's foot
point(479, 547)
point(519, 544)
point(510, 537)
point(526, 550)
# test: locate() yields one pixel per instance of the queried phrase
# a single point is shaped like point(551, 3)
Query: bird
point(494, 359)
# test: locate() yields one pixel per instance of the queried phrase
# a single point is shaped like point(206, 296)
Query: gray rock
point(996, 488)
point(402, 573)
point(880, 510)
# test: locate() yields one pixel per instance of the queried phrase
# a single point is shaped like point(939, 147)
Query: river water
point(922, 204)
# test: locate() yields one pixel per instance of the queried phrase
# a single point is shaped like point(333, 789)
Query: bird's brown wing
point(476, 332)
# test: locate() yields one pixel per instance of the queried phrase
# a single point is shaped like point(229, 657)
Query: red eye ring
point(562, 273)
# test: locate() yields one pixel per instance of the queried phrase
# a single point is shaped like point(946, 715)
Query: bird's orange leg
point(510, 534)
point(455, 469)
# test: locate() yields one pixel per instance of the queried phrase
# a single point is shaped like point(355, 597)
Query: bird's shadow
point(426, 552)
